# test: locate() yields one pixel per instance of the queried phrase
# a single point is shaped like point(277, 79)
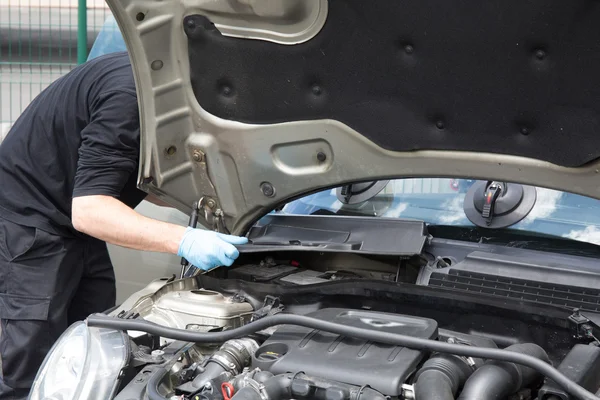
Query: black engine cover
point(354, 361)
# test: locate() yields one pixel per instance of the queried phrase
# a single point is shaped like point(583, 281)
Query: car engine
point(290, 361)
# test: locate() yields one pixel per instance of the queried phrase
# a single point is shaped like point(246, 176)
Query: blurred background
point(41, 40)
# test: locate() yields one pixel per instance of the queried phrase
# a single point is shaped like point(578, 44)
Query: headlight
point(84, 363)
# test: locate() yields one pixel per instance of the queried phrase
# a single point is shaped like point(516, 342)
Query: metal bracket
point(582, 325)
point(213, 215)
point(271, 306)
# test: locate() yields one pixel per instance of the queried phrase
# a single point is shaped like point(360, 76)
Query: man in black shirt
point(68, 171)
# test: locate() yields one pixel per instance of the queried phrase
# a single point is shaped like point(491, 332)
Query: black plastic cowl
point(499, 379)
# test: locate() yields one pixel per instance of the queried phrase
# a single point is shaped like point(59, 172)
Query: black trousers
point(47, 282)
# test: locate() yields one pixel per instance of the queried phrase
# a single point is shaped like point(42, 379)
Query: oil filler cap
point(495, 205)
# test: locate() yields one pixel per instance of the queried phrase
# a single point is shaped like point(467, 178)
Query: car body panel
point(189, 153)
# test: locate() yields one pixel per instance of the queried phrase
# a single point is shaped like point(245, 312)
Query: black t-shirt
point(79, 137)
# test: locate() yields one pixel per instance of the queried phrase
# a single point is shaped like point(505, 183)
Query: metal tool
point(185, 265)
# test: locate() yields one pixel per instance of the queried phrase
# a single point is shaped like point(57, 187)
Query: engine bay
point(478, 298)
point(296, 362)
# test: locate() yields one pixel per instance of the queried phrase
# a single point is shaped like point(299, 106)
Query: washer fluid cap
point(491, 204)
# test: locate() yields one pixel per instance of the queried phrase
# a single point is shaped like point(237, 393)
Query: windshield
point(439, 201)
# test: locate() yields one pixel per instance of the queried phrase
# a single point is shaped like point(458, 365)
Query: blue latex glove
point(208, 249)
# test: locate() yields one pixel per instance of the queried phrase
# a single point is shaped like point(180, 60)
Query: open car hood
point(249, 103)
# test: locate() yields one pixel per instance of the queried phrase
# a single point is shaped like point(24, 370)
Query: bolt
point(231, 365)
point(525, 130)
point(440, 124)
point(198, 156)
point(191, 24)
point(267, 189)
point(316, 89)
point(207, 385)
point(409, 49)
point(157, 354)
point(211, 204)
point(321, 156)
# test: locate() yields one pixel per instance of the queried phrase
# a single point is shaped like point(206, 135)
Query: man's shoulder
point(112, 73)
point(116, 59)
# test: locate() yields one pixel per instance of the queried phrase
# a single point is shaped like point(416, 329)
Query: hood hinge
point(213, 214)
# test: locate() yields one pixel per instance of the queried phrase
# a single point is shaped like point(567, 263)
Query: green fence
point(40, 40)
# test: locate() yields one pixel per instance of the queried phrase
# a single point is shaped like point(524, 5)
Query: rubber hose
point(500, 379)
point(434, 385)
point(440, 377)
point(542, 367)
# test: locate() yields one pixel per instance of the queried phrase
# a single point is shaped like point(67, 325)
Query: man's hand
point(207, 249)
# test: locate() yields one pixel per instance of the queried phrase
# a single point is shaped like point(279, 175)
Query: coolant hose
point(440, 377)
point(500, 379)
point(379, 336)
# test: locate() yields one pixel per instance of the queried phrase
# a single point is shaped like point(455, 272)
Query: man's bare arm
point(108, 219)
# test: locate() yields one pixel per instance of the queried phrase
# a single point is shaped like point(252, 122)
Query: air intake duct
point(500, 379)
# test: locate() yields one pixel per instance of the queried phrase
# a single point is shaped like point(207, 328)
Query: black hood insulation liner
point(500, 76)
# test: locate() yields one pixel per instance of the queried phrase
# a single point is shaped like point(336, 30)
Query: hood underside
point(248, 103)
